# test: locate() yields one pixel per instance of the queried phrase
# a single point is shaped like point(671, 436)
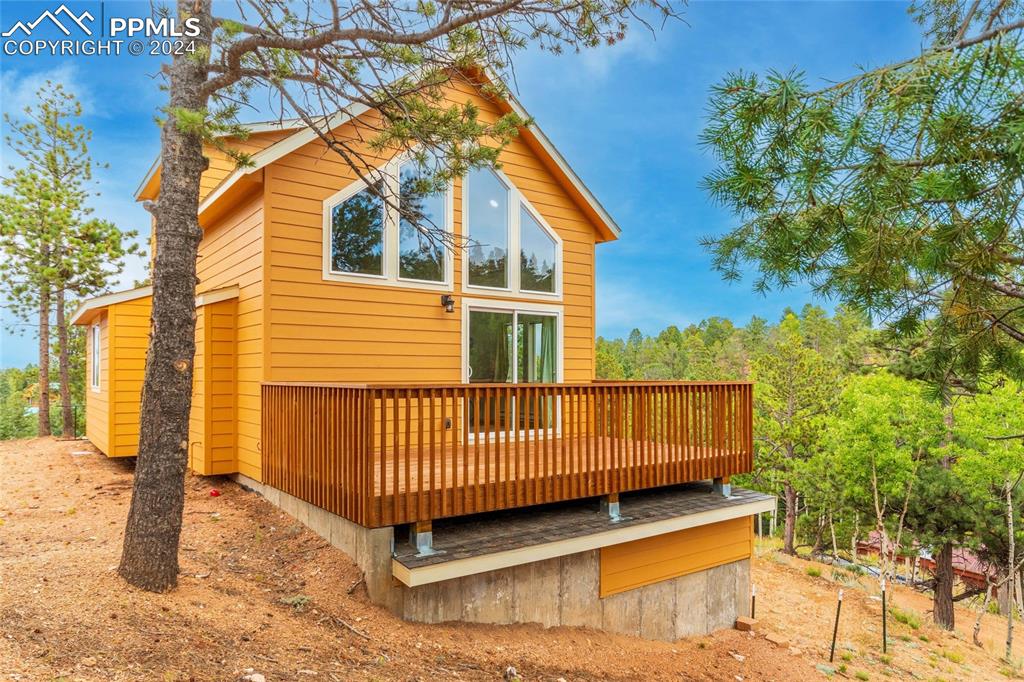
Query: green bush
point(908, 618)
point(814, 571)
point(953, 656)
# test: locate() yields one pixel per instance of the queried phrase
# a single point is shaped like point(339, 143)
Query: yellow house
point(366, 377)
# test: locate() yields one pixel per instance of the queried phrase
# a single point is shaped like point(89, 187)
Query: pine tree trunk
point(64, 365)
point(150, 556)
point(789, 533)
point(44, 361)
point(942, 602)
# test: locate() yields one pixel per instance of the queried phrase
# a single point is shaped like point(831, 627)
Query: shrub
point(814, 571)
point(298, 602)
point(908, 618)
point(953, 656)
point(861, 675)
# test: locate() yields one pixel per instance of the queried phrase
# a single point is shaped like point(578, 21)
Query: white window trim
point(516, 307)
point(528, 307)
point(515, 199)
point(95, 348)
point(391, 238)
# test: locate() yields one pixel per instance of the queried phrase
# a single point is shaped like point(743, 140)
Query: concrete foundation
point(559, 591)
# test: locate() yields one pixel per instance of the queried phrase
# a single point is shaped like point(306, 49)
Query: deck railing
point(388, 454)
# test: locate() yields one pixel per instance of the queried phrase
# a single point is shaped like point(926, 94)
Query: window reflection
point(357, 234)
point(421, 251)
point(537, 255)
point(488, 229)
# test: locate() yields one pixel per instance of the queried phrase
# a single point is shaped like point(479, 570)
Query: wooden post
point(421, 536)
point(610, 507)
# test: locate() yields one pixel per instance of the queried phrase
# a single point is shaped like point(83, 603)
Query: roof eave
point(83, 314)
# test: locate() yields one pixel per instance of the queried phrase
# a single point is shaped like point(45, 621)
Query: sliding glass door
point(512, 347)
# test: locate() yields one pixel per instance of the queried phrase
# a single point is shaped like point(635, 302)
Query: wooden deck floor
point(481, 476)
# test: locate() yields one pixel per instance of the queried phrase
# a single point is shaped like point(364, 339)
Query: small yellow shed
point(121, 321)
point(114, 380)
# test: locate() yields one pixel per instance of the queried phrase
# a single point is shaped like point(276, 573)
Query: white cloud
point(18, 88)
point(639, 45)
point(626, 304)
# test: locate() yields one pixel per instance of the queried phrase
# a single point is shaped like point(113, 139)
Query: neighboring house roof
point(964, 560)
point(534, 136)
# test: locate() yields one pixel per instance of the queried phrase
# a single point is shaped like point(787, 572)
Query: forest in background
point(852, 442)
point(19, 394)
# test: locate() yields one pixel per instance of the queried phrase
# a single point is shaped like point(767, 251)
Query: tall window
point(488, 229)
point(421, 253)
point(509, 247)
point(400, 240)
point(95, 356)
point(357, 234)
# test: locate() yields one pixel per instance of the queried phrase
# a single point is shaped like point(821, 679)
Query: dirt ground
point(261, 594)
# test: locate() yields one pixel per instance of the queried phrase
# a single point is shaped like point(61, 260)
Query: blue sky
point(627, 118)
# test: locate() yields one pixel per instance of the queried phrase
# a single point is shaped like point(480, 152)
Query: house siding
point(231, 255)
point(129, 327)
point(338, 331)
point(197, 413)
point(630, 565)
point(225, 414)
point(222, 165)
point(212, 420)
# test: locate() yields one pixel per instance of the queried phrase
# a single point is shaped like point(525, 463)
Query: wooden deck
point(384, 455)
point(480, 477)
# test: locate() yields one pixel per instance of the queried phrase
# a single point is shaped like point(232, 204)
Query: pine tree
point(897, 189)
point(55, 251)
point(318, 59)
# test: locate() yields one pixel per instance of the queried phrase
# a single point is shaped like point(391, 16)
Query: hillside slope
point(260, 593)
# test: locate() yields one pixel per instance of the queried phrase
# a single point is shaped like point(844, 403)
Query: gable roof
point(149, 185)
point(303, 135)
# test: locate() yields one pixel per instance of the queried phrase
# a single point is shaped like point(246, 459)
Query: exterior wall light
point(448, 301)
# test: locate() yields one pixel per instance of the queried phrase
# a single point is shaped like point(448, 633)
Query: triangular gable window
point(510, 247)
